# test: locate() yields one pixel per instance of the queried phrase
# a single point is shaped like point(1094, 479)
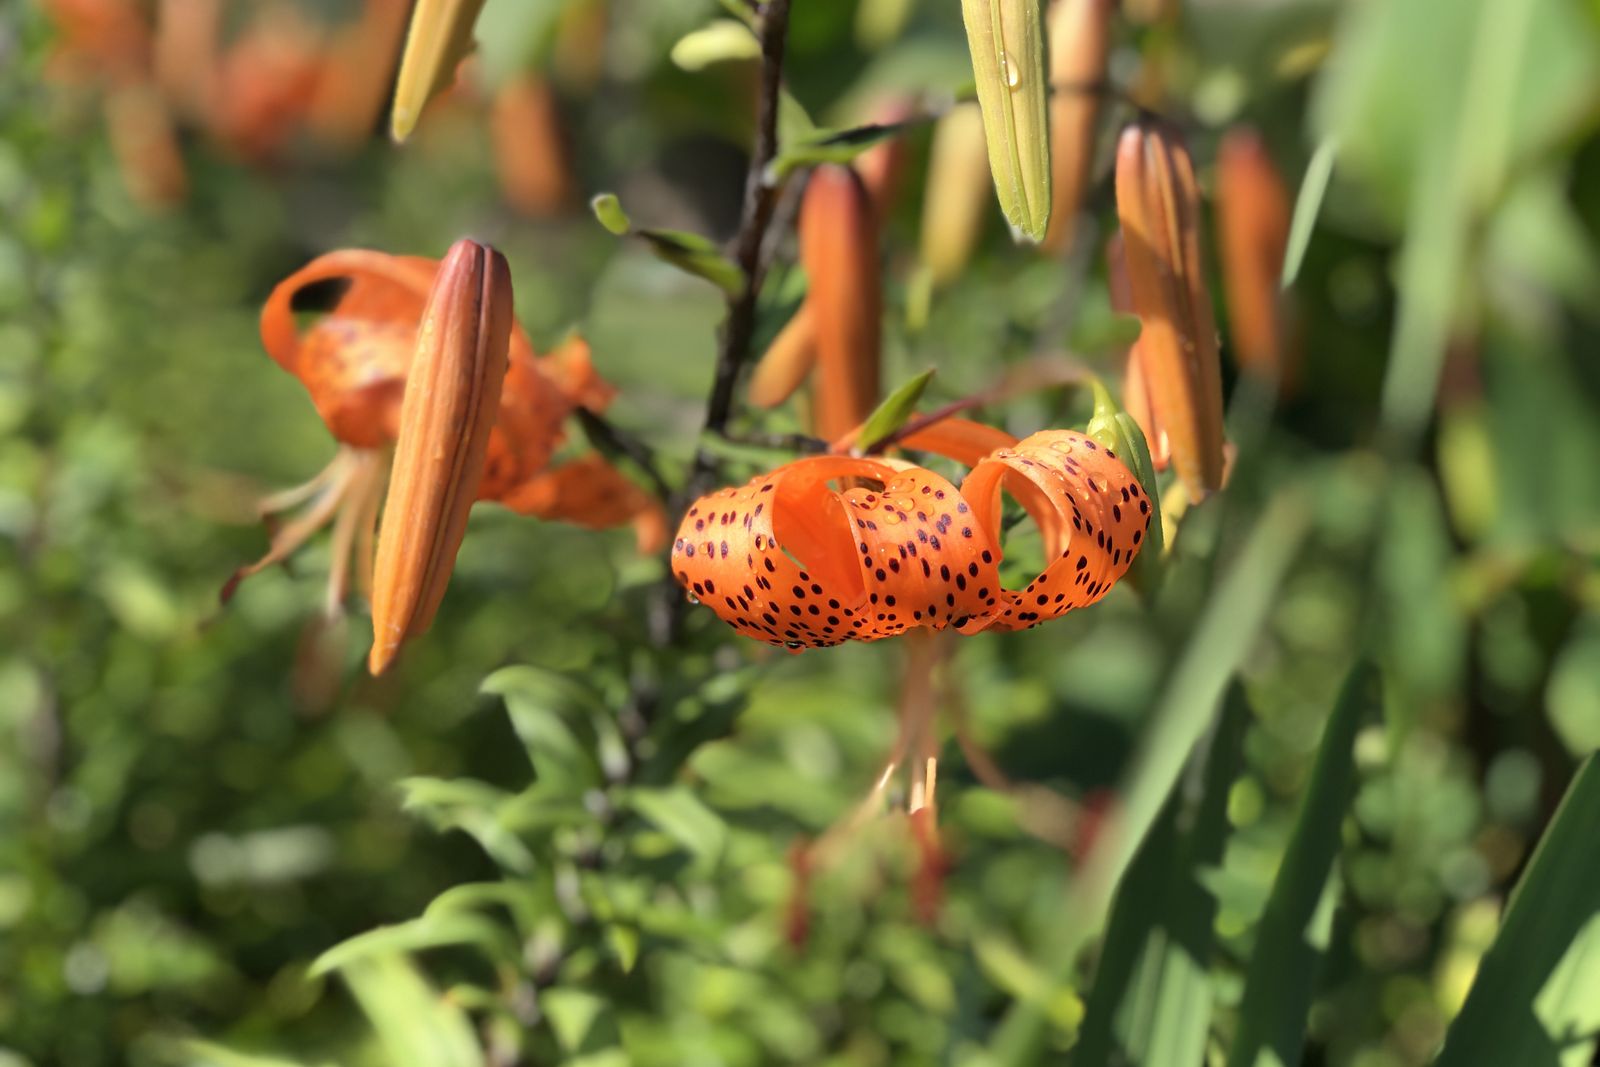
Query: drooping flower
point(791, 560)
point(354, 362)
point(1158, 206)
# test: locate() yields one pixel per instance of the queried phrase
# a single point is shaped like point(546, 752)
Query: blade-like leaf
point(1536, 999)
point(417, 1026)
point(896, 408)
point(1283, 968)
point(1151, 1002)
point(414, 935)
point(1307, 205)
point(608, 209)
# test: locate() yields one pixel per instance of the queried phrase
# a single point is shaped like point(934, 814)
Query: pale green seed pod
point(1006, 40)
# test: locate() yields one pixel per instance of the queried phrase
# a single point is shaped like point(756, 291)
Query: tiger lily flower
point(1158, 206)
point(355, 362)
point(789, 560)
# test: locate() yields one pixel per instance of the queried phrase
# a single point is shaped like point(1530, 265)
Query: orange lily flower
point(791, 561)
point(354, 362)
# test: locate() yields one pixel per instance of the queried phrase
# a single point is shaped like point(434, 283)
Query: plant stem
point(733, 348)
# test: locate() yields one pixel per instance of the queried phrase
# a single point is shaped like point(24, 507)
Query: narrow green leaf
point(195, 1053)
point(830, 146)
point(1222, 637)
point(1282, 974)
point(1536, 999)
point(608, 209)
point(1115, 429)
point(697, 255)
point(413, 935)
point(551, 715)
point(681, 815)
point(1307, 206)
point(896, 408)
point(1152, 997)
point(417, 1026)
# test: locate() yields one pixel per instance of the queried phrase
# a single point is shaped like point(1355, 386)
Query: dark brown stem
point(760, 196)
point(612, 441)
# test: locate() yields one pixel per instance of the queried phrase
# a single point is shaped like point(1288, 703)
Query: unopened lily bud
point(1158, 205)
point(440, 35)
point(530, 154)
point(956, 196)
point(839, 248)
point(1006, 42)
point(1135, 386)
point(1080, 36)
point(356, 73)
point(787, 360)
point(146, 146)
point(185, 54)
point(1149, 12)
point(1253, 229)
point(452, 395)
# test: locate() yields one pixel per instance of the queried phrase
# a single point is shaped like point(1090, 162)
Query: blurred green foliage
point(222, 844)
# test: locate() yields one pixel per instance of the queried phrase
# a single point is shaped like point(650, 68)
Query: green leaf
point(1222, 636)
point(830, 146)
point(1293, 931)
point(552, 716)
point(1536, 999)
point(720, 41)
point(413, 935)
point(194, 1053)
point(417, 1026)
point(682, 816)
point(1152, 997)
point(582, 1021)
point(471, 807)
point(697, 255)
point(608, 209)
point(895, 410)
point(1117, 431)
point(1307, 205)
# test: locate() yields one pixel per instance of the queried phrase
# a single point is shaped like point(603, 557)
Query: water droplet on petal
point(691, 598)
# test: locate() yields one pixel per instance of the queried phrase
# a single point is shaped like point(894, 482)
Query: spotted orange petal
point(1089, 508)
point(789, 560)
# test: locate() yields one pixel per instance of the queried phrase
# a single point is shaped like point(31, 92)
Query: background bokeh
point(591, 856)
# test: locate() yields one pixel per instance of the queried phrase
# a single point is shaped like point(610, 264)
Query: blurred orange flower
point(354, 361)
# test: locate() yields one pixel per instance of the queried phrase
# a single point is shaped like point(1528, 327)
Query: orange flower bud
point(1158, 205)
point(1080, 36)
point(1149, 12)
point(787, 361)
point(357, 70)
point(839, 248)
point(452, 395)
point(1135, 384)
point(1253, 215)
point(187, 32)
point(146, 146)
point(529, 151)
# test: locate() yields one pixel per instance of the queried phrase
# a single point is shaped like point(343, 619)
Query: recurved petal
point(452, 396)
point(1089, 508)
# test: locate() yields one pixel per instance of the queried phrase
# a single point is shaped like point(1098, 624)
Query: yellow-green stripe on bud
point(1006, 41)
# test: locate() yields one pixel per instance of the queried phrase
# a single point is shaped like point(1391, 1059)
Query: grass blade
point(1307, 205)
point(1151, 1002)
point(1282, 975)
point(1536, 999)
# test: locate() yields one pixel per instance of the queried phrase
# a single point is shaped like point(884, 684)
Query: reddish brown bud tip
point(452, 395)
